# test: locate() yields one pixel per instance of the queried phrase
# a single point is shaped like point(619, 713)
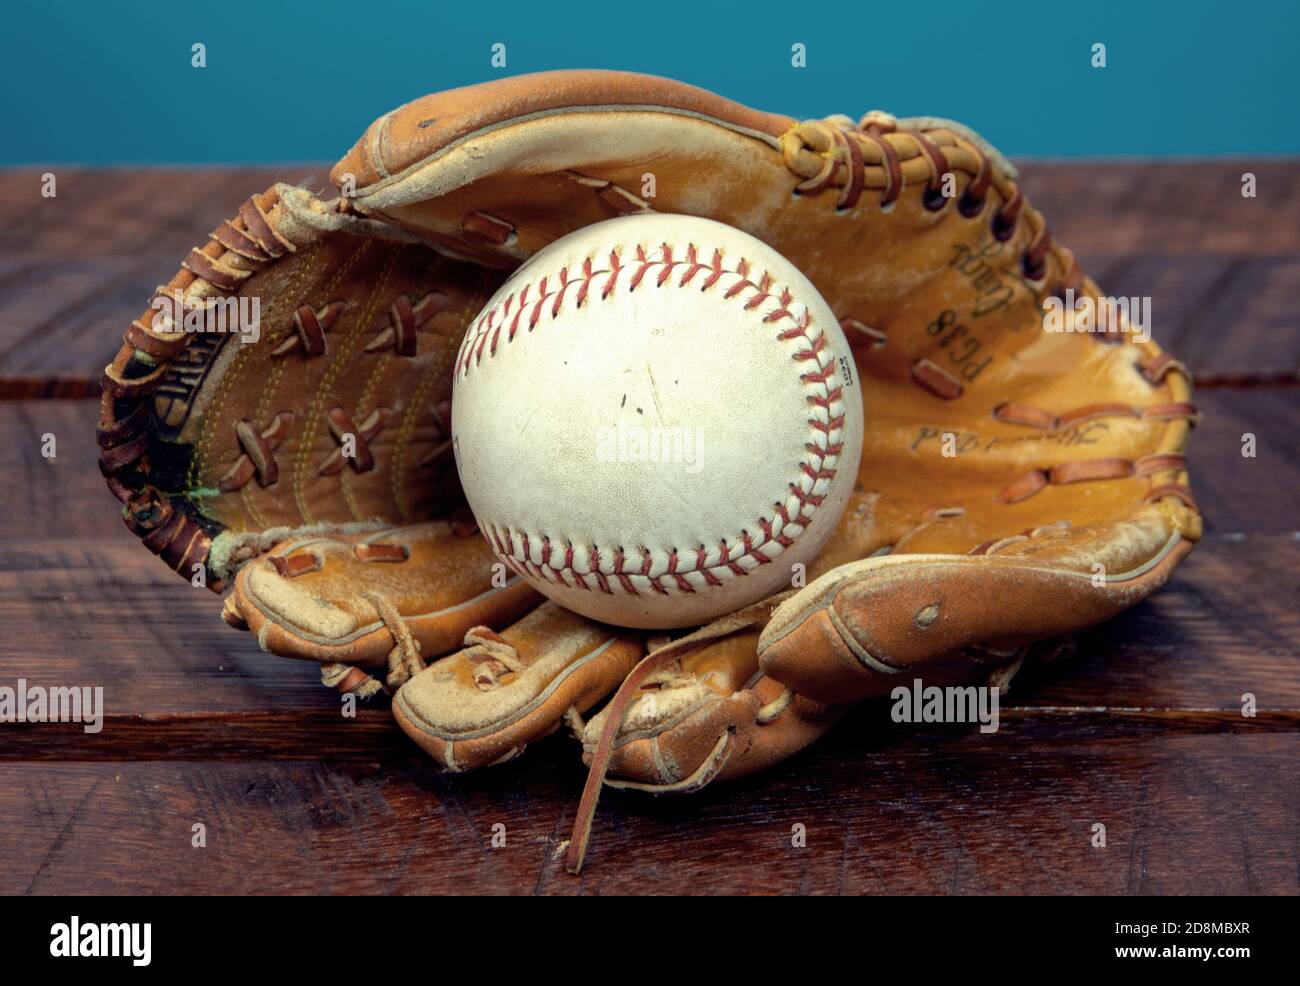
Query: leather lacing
point(842, 152)
point(601, 757)
point(839, 154)
point(238, 248)
point(404, 660)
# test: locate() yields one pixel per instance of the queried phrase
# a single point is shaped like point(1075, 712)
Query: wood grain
point(1208, 814)
point(77, 268)
point(1171, 208)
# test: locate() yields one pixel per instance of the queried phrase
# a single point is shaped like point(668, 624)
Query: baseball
point(655, 421)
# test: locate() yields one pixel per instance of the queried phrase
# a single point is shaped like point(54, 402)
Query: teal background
point(111, 83)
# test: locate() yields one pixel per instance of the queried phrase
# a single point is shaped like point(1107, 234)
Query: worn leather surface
point(1015, 484)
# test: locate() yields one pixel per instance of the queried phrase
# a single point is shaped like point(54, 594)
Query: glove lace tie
point(404, 661)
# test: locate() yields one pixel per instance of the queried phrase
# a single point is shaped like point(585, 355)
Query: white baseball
point(655, 420)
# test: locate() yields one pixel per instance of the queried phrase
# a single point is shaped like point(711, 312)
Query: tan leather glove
point(1017, 484)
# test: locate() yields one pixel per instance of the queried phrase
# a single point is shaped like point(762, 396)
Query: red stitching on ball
point(512, 309)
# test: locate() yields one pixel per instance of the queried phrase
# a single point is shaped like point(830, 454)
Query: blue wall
point(110, 83)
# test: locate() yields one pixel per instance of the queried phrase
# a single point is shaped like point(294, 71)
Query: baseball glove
point(1016, 485)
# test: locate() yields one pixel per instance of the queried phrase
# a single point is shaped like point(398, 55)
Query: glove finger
point(709, 716)
point(694, 711)
point(486, 703)
point(859, 630)
point(320, 397)
point(355, 599)
point(708, 713)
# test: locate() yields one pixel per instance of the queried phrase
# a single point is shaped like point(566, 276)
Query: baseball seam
point(536, 555)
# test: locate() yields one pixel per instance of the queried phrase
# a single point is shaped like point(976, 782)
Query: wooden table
point(1141, 730)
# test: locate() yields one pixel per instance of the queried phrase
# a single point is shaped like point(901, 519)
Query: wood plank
point(1221, 270)
point(1228, 318)
point(1033, 713)
point(63, 497)
point(102, 213)
point(1226, 625)
point(75, 269)
point(1182, 815)
point(1238, 494)
point(1139, 208)
point(108, 613)
point(50, 310)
